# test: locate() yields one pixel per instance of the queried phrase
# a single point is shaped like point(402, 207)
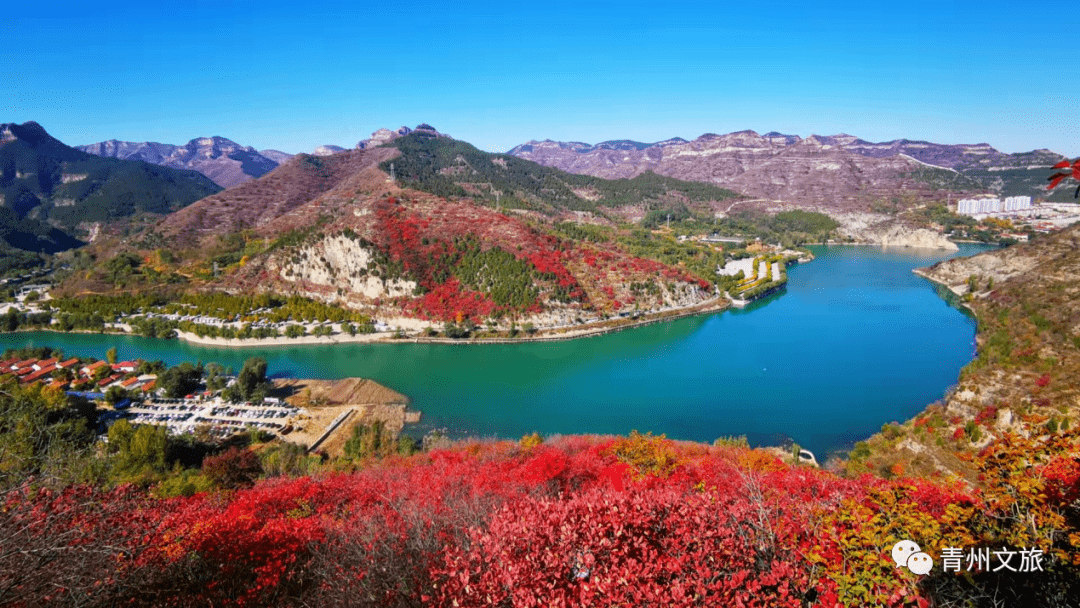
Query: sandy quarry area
point(362, 401)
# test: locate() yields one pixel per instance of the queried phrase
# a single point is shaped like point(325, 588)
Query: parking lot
point(223, 418)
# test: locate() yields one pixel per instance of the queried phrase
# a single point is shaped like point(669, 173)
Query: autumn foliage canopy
point(578, 521)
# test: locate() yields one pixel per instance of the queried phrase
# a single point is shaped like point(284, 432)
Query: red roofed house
point(37, 374)
point(109, 380)
point(88, 370)
point(125, 366)
point(46, 363)
point(68, 363)
point(23, 364)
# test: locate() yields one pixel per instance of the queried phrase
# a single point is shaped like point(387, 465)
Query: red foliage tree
point(1074, 172)
point(234, 468)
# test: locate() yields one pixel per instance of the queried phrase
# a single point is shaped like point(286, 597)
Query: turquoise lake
point(854, 341)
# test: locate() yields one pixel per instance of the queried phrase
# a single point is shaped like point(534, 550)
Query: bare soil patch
point(324, 400)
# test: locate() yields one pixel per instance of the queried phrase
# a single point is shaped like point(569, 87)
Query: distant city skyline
point(498, 75)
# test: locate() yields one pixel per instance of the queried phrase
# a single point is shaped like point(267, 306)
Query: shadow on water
point(759, 304)
point(950, 298)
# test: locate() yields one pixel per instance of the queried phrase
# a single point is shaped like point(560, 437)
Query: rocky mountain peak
point(740, 139)
point(29, 131)
point(781, 139)
point(382, 136)
point(671, 142)
point(36, 137)
point(327, 150)
point(216, 146)
point(841, 139)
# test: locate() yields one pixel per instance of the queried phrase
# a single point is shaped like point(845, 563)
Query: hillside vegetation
point(574, 521)
point(448, 167)
point(50, 193)
point(1025, 380)
point(337, 230)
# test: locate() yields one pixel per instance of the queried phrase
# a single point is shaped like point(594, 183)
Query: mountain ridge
point(54, 196)
point(776, 166)
point(338, 229)
point(224, 161)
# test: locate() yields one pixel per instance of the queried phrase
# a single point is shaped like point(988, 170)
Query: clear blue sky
point(295, 75)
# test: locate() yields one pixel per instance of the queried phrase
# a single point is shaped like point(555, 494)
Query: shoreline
point(959, 300)
point(717, 303)
point(714, 304)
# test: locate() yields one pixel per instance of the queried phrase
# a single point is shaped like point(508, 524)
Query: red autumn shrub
point(651, 547)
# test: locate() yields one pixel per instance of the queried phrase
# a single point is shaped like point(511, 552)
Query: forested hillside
point(337, 229)
point(448, 167)
point(52, 195)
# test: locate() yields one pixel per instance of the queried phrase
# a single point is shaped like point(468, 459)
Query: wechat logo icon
point(908, 555)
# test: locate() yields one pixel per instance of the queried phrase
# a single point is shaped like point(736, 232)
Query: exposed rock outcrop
point(327, 150)
point(383, 136)
point(905, 236)
point(992, 267)
point(837, 171)
point(879, 229)
point(338, 262)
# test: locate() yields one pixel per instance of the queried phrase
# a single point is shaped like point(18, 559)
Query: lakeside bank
point(714, 304)
point(857, 340)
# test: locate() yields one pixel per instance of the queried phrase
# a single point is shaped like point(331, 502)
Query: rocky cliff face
point(992, 267)
point(382, 136)
point(224, 161)
point(837, 171)
point(893, 234)
point(337, 262)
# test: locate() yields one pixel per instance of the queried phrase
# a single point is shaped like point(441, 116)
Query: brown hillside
point(254, 204)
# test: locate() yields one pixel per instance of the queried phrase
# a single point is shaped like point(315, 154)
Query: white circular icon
point(902, 550)
point(920, 563)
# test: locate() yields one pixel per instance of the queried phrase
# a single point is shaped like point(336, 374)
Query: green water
point(855, 341)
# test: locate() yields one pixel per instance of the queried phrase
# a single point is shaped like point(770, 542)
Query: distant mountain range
point(222, 160)
point(53, 195)
point(830, 171)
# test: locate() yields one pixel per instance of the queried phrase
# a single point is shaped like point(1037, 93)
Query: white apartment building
point(974, 206)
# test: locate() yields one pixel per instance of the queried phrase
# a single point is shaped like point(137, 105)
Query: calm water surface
point(855, 341)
